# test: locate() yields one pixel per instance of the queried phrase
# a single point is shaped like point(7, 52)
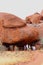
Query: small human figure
point(16, 48)
point(33, 48)
point(24, 47)
point(27, 47)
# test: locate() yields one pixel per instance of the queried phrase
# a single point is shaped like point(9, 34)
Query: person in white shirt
point(33, 48)
point(27, 46)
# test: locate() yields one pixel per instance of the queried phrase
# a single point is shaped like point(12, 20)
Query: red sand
point(37, 59)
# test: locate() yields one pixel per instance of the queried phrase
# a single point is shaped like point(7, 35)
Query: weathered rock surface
point(13, 29)
point(34, 19)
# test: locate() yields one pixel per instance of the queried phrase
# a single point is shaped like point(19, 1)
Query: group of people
point(28, 47)
point(35, 46)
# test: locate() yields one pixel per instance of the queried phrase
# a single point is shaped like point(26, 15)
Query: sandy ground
point(21, 58)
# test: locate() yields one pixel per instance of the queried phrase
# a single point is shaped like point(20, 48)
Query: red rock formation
point(26, 33)
point(13, 29)
point(41, 13)
point(40, 29)
point(34, 19)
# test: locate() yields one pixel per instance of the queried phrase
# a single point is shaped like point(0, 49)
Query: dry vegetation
point(18, 57)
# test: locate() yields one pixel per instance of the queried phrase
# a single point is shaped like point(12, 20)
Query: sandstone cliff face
point(37, 21)
point(34, 19)
point(14, 29)
point(41, 13)
point(40, 29)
